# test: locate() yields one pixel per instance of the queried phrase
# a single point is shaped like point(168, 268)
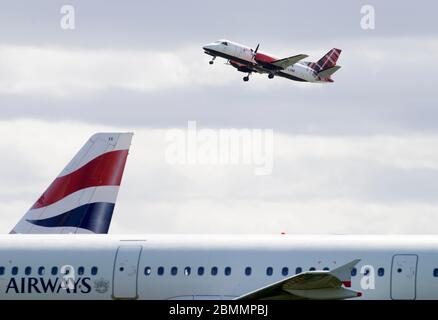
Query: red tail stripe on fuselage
point(104, 170)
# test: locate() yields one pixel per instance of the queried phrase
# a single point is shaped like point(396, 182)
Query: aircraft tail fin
point(82, 197)
point(327, 61)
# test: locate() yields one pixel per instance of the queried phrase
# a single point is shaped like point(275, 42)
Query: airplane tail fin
point(328, 61)
point(82, 198)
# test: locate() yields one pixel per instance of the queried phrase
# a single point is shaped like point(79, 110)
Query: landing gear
point(271, 76)
point(212, 60)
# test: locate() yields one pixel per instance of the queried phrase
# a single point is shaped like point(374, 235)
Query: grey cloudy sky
point(358, 155)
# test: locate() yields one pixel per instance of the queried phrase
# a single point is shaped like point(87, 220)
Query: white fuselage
point(208, 266)
point(242, 53)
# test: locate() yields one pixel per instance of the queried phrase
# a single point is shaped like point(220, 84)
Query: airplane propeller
point(255, 51)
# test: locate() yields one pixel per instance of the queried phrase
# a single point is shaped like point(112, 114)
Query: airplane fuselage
point(208, 267)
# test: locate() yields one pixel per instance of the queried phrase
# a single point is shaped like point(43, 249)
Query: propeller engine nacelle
point(240, 67)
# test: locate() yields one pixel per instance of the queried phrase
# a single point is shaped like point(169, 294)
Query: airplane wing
point(286, 62)
point(318, 285)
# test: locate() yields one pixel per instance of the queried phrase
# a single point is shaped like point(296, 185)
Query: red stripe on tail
point(105, 170)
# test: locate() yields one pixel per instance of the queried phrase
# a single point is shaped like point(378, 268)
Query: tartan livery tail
point(326, 62)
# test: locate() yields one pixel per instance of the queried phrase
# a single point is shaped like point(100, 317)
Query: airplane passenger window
point(353, 272)
point(326, 269)
point(435, 272)
point(187, 271)
point(269, 271)
point(298, 270)
point(312, 269)
point(27, 271)
point(248, 271)
point(381, 272)
point(14, 271)
point(147, 271)
point(200, 271)
point(213, 271)
point(41, 270)
point(81, 271)
point(54, 271)
point(94, 271)
point(367, 272)
point(160, 271)
point(2, 271)
point(227, 271)
point(285, 271)
point(174, 271)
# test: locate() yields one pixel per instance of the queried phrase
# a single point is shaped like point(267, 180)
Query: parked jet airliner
point(247, 60)
point(90, 266)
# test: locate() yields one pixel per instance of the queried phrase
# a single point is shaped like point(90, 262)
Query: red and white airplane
point(247, 60)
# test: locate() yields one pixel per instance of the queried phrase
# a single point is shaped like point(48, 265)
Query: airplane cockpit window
point(248, 271)
point(227, 271)
point(187, 271)
point(174, 271)
point(2, 271)
point(28, 271)
point(41, 271)
point(93, 271)
point(81, 270)
point(14, 271)
point(224, 43)
point(269, 271)
point(54, 271)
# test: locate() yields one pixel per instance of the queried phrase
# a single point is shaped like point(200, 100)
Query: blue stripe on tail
point(95, 217)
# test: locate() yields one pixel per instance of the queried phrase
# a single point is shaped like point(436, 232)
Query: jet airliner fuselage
point(212, 267)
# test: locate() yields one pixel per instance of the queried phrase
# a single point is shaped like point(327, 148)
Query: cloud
point(64, 71)
point(320, 184)
point(377, 91)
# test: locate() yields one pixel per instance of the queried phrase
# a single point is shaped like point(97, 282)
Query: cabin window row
point(380, 272)
point(200, 271)
point(15, 270)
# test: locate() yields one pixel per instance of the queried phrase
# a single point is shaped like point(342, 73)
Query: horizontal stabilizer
point(328, 72)
point(286, 62)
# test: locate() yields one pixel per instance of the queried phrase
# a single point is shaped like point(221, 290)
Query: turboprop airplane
point(240, 267)
point(247, 60)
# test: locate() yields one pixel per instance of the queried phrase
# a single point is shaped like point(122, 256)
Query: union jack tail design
point(82, 198)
